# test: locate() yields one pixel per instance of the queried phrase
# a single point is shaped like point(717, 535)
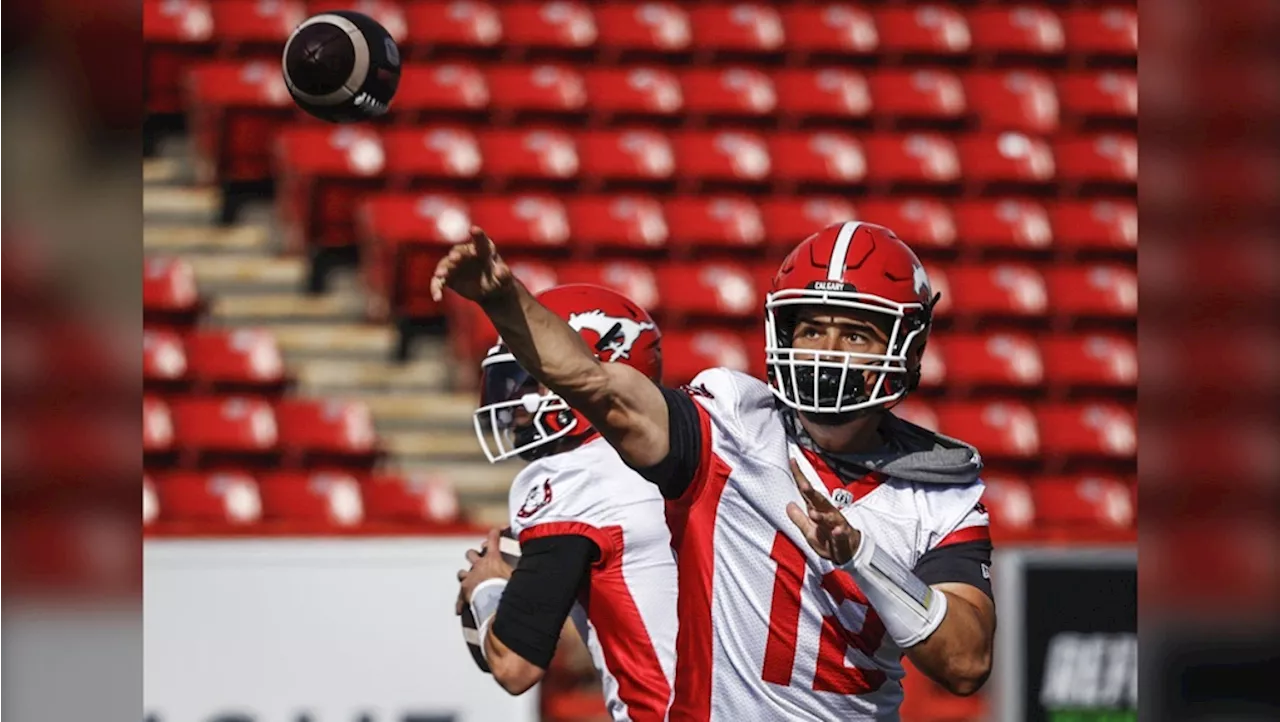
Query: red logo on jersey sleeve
point(538, 497)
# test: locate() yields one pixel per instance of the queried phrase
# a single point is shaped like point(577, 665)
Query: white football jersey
point(628, 614)
point(768, 629)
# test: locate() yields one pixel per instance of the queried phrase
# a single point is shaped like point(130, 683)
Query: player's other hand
point(823, 526)
point(485, 564)
point(473, 269)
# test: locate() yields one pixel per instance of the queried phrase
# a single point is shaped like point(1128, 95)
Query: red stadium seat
point(157, 426)
point(1008, 157)
point(1020, 100)
point(432, 152)
point(328, 433)
point(722, 156)
point(389, 13)
point(209, 427)
point(1108, 94)
point(912, 158)
point(834, 28)
point(933, 365)
point(235, 110)
point(921, 222)
point(725, 222)
point(1001, 429)
point(1010, 504)
point(323, 498)
point(322, 174)
point(441, 87)
point(1091, 361)
point(1111, 158)
point(1102, 31)
point(645, 90)
point(922, 93)
point(526, 223)
point(176, 36)
point(541, 88)
point(1099, 224)
point(169, 294)
point(822, 157)
point(707, 291)
point(261, 24)
point(731, 91)
point(918, 412)
point(472, 24)
point(996, 360)
point(634, 279)
point(789, 220)
point(1100, 291)
point(164, 358)
point(415, 499)
point(923, 29)
point(555, 24)
point(237, 360)
point(744, 27)
point(541, 154)
point(1006, 223)
point(835, 93)
point(646, 26)
point(685, 354)
point(403, 237)
point(626, 155)
point(150, 501)
point(631, 223)
point(1088, 430)
point(1001, 290)
point(1021, 29)
point(1083, 502)
point(222, 498)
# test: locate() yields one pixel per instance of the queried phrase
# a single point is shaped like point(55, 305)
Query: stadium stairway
point(328, 346)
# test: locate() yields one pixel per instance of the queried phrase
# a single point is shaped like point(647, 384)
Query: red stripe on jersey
point(692, 519)
point(575, 528)
point(625, 643)
point(784, 611)
point(968, 534)
point(858, 487)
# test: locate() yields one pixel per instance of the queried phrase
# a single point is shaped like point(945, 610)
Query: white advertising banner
point(312, 630)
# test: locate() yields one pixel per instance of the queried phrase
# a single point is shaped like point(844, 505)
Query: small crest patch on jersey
point(538, 497)
point(842, 497)
point(699, 390)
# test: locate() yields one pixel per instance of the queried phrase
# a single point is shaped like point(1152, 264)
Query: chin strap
point(484, 606)
point(911, 610)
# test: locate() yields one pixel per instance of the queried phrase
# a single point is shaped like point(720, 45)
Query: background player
point(787, 609)
point(590, 529)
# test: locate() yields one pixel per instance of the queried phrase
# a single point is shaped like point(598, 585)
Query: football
point(342, 67)
point(510, 549)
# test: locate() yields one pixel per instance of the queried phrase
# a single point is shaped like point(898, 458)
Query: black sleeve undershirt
point(963, 562)
point(540, 594)
point(674, 474)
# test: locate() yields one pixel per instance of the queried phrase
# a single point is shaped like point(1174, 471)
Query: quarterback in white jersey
point(819, 538)
point(594, 544)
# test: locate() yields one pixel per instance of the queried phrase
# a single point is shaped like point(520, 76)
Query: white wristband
point(910, 609)
point(484, 605)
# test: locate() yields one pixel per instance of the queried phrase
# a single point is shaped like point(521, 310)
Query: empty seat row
point(1059, 505)
point(234, 499)
point(203, 431)
point(212, 360)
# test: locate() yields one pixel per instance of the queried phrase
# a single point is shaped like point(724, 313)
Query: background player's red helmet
point(858, 267)
point(614, 326)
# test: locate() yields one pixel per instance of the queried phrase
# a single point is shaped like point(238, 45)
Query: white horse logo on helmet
point(617, 334)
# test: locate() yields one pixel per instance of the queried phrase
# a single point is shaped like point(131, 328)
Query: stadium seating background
point(300, 380)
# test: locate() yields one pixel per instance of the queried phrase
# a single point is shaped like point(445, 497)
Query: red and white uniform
point(628, 613)
point(768, 629)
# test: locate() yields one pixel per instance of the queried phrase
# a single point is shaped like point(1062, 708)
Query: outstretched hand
point(823, 526)
point(473, 269)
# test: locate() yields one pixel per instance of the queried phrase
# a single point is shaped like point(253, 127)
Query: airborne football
point(342, 67)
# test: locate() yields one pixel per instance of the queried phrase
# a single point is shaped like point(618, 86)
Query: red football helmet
point(517, 416)
point(864, 268)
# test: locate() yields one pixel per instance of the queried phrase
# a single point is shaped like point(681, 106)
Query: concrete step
point(433, 445)
point(489, 514)
point(188, 237)
point(303, 340)
point(329, 376)
point(421, 409)
point(164, 171)
point(470, 477)
point(237, 308)
point(159, 202)
point(225, 272)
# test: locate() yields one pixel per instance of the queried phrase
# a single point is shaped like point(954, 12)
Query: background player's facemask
point(515, 418)
point(837, 384)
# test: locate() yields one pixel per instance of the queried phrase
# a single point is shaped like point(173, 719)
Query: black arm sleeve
point(967, 563)
point(541, 592)
point(674, 473)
